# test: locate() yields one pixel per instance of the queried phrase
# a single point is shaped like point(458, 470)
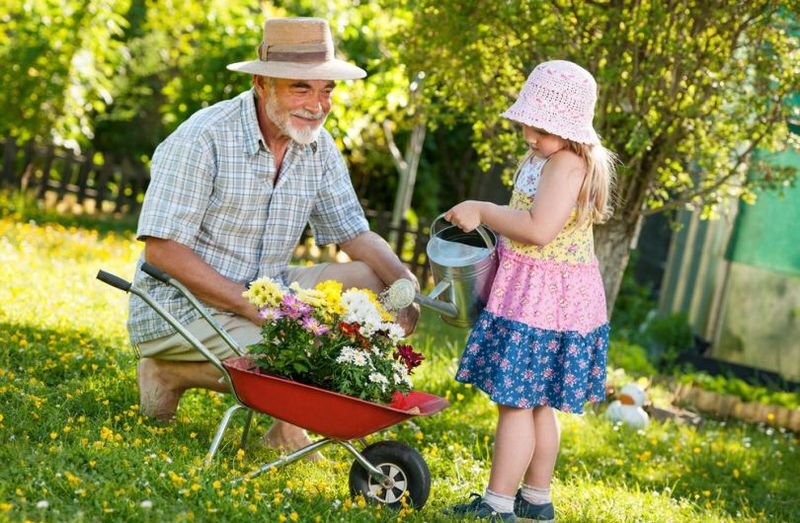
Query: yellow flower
point(264, 292)
point(331, 296)
point(313, 297)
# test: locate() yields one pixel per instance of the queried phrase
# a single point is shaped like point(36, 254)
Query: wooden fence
point(108, 184)
point(100, 182)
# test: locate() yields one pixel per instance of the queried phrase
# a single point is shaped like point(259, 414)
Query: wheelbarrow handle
point(163, 277)
point(114, 280)
point(156, 273)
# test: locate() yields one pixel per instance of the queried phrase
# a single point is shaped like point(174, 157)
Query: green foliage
point(633, 358)
point(57, 60)
point(633, 306)
point(681, 92)
point(741, 389)
point(75, 447)
point(668, 337)
point(687, 91)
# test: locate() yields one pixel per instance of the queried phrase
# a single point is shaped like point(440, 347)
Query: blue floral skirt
point(522, 366)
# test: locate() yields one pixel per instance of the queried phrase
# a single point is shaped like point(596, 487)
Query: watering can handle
point(480, 230)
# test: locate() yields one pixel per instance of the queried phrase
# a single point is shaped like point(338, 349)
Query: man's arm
point(180, 262)
point(370, 248)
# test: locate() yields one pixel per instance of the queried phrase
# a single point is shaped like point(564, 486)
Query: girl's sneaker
point(479, 509)
point(526, 511)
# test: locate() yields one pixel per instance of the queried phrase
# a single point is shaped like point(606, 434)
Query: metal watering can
point(463, 266)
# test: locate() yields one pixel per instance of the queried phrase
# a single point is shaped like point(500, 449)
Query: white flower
point(42, 504)
point(146, 504)
point(400, 375)
point(396, 332)
point(359, 309)
point(356, 357)
point(377, 377)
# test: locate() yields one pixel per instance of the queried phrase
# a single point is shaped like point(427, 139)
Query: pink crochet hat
point(559, 98)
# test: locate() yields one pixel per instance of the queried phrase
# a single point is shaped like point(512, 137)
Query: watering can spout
point(402, 293)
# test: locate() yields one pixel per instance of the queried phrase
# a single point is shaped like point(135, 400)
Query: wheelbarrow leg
point(246, 429)
point(285, 460)
point(223, 425)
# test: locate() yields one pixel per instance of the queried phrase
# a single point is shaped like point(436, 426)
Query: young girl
point(541, 342)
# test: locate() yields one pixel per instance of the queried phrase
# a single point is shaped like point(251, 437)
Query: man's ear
point(259, 82)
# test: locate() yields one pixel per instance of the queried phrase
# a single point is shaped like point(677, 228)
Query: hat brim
point(329, 70)
point(551, 124)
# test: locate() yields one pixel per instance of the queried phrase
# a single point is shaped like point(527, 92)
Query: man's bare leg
point(163, 382)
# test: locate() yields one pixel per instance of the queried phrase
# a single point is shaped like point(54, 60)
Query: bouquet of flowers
point(346, 342)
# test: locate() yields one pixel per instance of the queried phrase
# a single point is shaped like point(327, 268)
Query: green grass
point(74, 448)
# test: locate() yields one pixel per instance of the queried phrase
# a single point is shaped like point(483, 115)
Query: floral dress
point(542, 339)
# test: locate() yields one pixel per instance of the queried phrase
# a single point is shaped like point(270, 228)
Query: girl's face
point(542, 143)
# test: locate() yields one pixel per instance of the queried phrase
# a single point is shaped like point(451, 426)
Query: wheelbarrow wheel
point(409, 476)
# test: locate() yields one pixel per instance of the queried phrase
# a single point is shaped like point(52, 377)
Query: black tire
point(404, 465)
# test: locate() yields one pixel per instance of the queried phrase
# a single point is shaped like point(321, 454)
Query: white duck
point(628, 408)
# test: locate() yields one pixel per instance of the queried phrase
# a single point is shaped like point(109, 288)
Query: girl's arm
point(556, 195)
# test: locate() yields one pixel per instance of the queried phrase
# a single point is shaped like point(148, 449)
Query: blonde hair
point(594, 203)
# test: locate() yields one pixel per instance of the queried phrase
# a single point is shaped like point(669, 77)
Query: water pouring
point(463, 266)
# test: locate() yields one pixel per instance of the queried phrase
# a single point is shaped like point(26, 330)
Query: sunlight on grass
point(75, 448)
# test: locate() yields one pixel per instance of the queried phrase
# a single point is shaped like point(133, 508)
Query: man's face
point(298, 107)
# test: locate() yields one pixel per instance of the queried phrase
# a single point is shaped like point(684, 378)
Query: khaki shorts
point(174, 347)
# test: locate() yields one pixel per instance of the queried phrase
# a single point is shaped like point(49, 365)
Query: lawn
point(74, 447)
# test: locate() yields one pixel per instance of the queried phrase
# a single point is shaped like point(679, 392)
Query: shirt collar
point(252, 134)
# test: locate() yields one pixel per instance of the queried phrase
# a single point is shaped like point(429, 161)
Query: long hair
point(594, 204)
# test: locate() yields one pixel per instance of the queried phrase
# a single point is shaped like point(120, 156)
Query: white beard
point(303, 135)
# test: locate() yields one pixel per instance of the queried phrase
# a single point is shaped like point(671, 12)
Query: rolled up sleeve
point(181, 182)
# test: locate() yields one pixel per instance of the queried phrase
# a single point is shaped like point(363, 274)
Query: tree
point(58, 58)
point(685, 98)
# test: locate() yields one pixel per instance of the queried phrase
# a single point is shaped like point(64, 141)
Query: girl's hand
point(466, 215)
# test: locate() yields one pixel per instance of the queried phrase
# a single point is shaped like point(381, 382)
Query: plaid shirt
point(212, 189)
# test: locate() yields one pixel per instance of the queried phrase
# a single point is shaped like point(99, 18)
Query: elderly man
point(231, 191)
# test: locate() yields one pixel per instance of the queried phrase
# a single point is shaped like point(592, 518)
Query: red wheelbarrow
point(384, 472)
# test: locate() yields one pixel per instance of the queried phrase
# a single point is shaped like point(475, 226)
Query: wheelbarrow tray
point(324, 412)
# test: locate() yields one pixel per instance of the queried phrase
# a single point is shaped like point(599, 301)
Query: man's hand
point(408, 317)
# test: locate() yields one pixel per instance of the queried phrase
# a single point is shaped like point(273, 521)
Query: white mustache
point(302, 113)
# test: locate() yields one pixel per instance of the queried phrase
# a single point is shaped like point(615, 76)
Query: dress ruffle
point(523, 366)
point(548, 294)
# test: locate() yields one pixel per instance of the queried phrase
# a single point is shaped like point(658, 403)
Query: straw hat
point(298, 48)
point(558, 97)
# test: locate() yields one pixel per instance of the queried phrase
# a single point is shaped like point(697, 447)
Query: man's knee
point(353, 274)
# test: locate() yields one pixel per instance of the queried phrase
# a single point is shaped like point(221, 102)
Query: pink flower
point(314, 326)
point(270, 314)
point(294, 308)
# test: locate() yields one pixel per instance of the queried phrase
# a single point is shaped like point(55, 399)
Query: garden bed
point(731, 406)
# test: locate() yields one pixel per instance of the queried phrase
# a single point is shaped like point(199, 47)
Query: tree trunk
point(613, 242)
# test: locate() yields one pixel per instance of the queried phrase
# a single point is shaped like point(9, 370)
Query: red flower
point(406, 354)
point(349, 329)
point(352, 330)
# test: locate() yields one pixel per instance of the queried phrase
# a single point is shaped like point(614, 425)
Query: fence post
point(102, 180)
point(9, 157)
point(83, 175)
point(66, 175)
point(45, 180)
point(125, 169)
